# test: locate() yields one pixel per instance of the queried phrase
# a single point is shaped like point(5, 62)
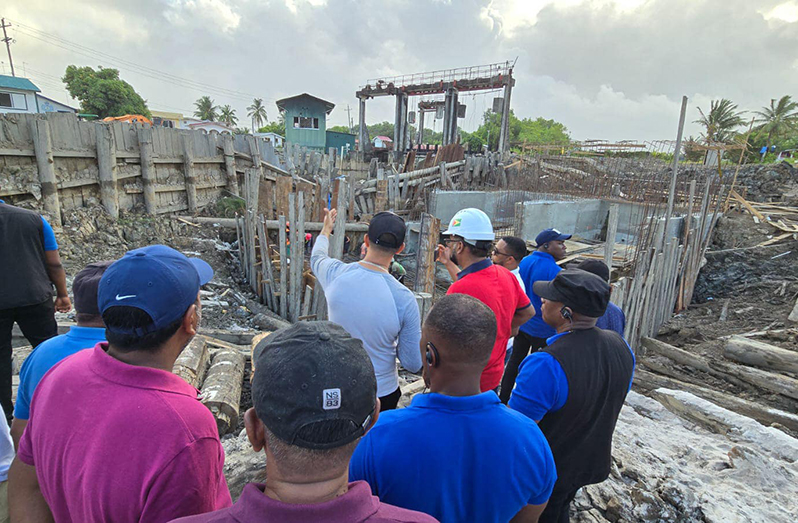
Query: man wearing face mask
point(469, 240)
point(576, 386)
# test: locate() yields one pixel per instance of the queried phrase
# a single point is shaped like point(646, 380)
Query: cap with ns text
point(309, 374)
point(157, 279)
point(582, 291)
point(85, 285)
point(550, 235)
point(387, 229)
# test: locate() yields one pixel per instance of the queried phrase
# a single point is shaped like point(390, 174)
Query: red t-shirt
point(497, 288)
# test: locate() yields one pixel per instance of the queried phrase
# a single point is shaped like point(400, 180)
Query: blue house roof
point(15, 82)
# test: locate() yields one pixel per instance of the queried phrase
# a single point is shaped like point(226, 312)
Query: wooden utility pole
point(7, 41)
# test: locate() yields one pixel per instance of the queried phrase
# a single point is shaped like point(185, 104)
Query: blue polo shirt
point(613, 319)
point(541, 385)
point(49, 236)
point(538, 266)
point(45, 356)
point(456, 459)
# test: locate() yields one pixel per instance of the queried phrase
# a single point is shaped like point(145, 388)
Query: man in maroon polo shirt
point(469, 242)
point(314, 394)
point(113, 434)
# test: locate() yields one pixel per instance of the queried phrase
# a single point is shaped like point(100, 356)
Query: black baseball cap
point(597, 267)
point(85, 285)
point(387, 229)
point(582, 291)
point(309, 373)
point(550, 235)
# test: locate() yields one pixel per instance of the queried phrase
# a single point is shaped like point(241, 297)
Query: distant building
point(382, 142)
point(207, 126)
point(275, 138)
point(48, 105)
point(305, 120)
point(343, 142)
point(17, 95)
point(167, 119)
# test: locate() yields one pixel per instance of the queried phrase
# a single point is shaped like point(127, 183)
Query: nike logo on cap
point(120, 298)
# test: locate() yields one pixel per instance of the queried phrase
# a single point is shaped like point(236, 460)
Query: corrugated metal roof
point(16, 82)
point(327, 105)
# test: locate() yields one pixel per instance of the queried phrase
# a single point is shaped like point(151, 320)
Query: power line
point(149, 72)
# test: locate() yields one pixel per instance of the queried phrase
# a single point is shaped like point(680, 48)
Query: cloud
point(183, 13)
point(612, 69)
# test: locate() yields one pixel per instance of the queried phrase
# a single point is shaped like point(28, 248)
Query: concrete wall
point(583, 218)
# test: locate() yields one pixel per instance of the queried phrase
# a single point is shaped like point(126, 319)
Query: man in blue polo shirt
point(31, 267)
point(473, 458)
point(541, 265)
point(614, 319)
point(89, 331)
point(575, 388)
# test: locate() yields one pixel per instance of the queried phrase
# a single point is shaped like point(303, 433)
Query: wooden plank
point(266, 259)
point(381, 198)
point(192, 363)
point(106, 162)
point(188, 172)
point(293, 281)
point(283, 189)
point(148, 175)
point(221, 391)
point(747, 205)
point(425, 256)
point(306, 302)
point(283, 268)
point(339, 231)
point(612, 230)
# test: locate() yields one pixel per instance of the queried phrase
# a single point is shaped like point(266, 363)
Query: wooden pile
point(752, 365)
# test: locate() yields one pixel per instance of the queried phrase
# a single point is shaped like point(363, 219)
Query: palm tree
point(722, 120)
point(205, 109)
point(228, 116)
point(777, 119)
point(257, 112)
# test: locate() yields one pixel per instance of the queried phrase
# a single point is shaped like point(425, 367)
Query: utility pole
point(7, 40)
point(349, 118)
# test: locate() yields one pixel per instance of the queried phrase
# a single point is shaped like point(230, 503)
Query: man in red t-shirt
point(469, 242)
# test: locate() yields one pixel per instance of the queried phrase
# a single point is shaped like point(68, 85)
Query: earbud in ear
point(566, 313)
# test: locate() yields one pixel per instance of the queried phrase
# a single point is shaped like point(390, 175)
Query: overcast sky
point(611, 69)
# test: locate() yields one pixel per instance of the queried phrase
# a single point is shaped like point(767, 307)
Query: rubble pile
point(773, 182)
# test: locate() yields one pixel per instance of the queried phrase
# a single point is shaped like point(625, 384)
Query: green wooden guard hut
point(305, 120)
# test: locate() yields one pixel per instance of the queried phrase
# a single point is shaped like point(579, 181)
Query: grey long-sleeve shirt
point(373, 307)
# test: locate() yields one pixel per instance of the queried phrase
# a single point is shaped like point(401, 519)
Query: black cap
point(313, 372)
point(387, 229)
point(582, 291)
point(597, 267)
point(85, 285)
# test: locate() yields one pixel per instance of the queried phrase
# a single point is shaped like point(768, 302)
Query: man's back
point(117, 442)
point(473, 459)
point(497, 288)
point(613, 319)
point(47, 355)
point(22, 246)
point(375, 308)
point(538, 266)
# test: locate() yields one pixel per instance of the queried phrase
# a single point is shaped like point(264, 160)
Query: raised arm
point(325, 268)
point(444, 256)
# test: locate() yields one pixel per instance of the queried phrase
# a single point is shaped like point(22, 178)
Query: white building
point(275, 138)
point(382, 142)
point(17, 95)
point(207, 126)
point(48, 105)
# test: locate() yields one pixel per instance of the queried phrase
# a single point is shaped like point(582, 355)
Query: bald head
point(463, 328)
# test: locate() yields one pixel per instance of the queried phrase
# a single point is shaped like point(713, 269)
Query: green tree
point(103, 93)
point(273, 127)
point(537, 131)
point(206, 110)
point(721, 121)
point(339, 129)
point(257, 112)
point(227, 115)
point(778, 119)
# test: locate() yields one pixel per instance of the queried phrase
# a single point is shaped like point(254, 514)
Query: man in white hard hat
point(469, 240)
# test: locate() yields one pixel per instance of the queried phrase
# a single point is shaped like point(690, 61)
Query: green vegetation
point(778, 120)
point(527, 130)
point(205, 109)
point(103, 93)
point(257, 112)
point(227, 115)
point(721, 121)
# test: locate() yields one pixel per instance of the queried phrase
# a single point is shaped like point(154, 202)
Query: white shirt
point(517, 274)
point(6, 450)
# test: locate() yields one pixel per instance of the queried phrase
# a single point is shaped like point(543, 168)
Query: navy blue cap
point(156, 279)
point(550, 235)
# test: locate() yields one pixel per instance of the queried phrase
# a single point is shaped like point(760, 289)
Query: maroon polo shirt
point(356, 505)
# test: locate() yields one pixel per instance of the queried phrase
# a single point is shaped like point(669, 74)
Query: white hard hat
point(471, 224)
